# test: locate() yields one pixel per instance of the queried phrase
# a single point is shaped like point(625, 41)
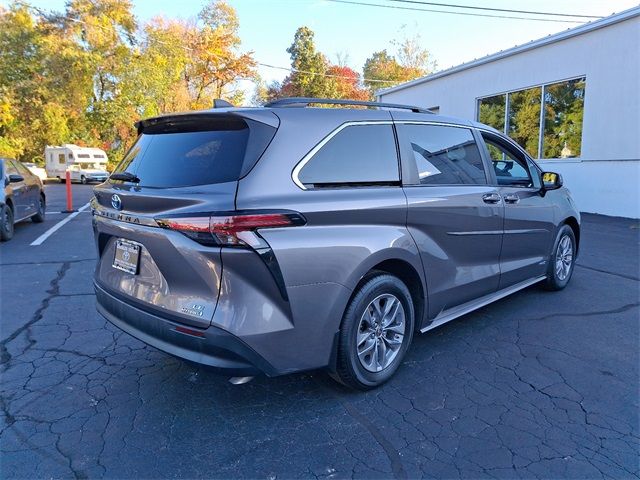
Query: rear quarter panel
point(348, 231)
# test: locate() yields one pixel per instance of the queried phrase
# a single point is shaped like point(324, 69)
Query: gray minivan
point(287, 238)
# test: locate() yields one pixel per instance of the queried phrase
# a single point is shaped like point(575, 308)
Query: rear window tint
point(358, 154)
point(200, 152)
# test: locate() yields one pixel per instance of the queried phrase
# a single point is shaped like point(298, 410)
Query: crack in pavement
point(397, 468)
point(622, 309)
point(615, 274)
point(48, 262)
point(52, 291)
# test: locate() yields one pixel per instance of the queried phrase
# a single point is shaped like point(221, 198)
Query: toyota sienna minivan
point(286, 238)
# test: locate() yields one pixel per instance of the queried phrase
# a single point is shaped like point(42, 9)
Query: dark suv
point(22, 197)
point(288, 238)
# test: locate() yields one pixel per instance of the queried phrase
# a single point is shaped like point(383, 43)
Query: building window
point(524, 119)
point(563, 111)
point(555, 134)
point(491, 111)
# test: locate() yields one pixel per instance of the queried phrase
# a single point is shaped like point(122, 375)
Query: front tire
point(377, 329)
point(6, 223)
point(562, 260)
point(39, 216)
point(83, 180)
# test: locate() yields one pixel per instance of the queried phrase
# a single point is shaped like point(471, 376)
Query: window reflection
point(563, 112)
point(559, 131)
point(491, 111)
point(524, 119)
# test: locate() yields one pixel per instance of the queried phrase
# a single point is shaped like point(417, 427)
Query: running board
point(455, 312)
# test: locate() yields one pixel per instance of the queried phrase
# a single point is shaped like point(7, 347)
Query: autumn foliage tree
point(86, 75)
point(314, 76)
point(411, 60)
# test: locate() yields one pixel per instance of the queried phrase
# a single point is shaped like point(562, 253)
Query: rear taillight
point(237, 229)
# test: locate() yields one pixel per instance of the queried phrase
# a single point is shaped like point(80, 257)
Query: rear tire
point(39, 216)
point(377, 329)
point(562, 259)
point(6, 223)
point(83, 180)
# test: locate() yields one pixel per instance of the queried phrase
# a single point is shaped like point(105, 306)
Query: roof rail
point(306, 101)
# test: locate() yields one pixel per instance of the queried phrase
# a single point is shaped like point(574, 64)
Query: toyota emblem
point(116, 202)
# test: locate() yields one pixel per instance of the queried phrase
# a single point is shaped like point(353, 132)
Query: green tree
point(313, 75)
point(524, 118)
point(309, 66)
point(383, 70)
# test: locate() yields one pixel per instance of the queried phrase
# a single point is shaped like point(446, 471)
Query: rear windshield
point(188, 153)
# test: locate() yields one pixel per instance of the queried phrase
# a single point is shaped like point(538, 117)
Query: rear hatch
point(182, 169)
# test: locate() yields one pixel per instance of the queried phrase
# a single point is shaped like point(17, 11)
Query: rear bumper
point(216, 348)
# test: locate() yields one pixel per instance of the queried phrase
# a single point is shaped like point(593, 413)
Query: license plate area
point(127, 256)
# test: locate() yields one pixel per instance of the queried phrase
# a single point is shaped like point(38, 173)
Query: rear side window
point(11, 168)
point(24, 171)
point(188, 152)
point(444, 155)
point(356, 155)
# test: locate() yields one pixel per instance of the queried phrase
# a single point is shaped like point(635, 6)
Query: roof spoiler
point(219, 103)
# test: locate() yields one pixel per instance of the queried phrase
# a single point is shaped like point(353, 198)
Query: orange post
point(69, 198)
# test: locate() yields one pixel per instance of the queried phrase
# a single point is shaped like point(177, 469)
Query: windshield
point(90, 166)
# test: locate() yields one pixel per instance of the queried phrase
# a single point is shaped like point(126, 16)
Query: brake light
point(236, 229)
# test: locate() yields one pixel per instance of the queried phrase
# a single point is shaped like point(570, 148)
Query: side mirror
point(14, 178)
point(551, 181)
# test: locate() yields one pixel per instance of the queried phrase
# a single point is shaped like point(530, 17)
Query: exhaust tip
point(240, 380)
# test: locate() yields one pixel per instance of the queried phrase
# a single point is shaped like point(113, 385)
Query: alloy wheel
point(380, 332)
point(564, 257)
point(7, 221)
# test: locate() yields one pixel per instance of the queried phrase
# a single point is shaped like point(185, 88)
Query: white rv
point(84, 164)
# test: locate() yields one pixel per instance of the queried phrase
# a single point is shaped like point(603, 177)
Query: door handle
point(511, 198)
point(491, 198)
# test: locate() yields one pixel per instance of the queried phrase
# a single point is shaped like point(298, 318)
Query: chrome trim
point(480, 232)
point(323, 142)
point(457, 311)
point(119, 216)
point(526, 230)
point(500, 232)
point(438, 124)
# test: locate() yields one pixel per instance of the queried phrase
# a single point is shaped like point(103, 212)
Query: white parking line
point(59, 213)
point(57, 226)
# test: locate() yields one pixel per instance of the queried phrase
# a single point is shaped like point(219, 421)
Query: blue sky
point(267, 26)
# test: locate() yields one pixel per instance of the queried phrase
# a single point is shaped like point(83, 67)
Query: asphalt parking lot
point(538, 385)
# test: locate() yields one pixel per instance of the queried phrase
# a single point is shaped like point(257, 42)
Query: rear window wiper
point(124, 176)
